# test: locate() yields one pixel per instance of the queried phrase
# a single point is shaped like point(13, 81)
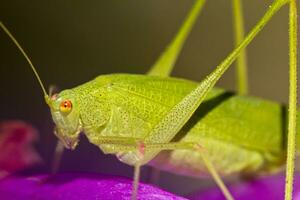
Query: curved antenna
point(25, 55)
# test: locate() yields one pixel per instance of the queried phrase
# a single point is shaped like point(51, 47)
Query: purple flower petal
point(77, 186)
point(271, 187)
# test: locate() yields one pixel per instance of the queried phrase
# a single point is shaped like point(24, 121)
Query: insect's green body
point(137, 117)
point(226, 125)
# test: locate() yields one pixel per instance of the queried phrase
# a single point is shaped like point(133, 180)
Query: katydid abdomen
point(239, 133)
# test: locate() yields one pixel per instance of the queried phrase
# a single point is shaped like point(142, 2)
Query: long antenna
point(25, 55)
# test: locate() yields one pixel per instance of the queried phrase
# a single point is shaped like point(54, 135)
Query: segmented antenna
point(25, 55)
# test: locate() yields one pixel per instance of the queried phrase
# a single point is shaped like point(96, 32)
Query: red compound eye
point(65, 106)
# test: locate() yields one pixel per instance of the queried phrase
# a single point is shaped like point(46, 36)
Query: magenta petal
point(77, 186)
point(271, 187)
point(16, 146)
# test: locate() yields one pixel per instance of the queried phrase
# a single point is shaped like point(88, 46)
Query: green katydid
point(137, 117)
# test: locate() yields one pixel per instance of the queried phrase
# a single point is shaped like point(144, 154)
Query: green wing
point(251, 122)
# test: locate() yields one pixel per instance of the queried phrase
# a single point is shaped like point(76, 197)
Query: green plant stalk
point(292, 101)
point(241, 62)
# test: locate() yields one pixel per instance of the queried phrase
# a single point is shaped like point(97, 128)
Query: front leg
point(130, 145)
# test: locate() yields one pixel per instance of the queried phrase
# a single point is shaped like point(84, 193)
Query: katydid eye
point(65, 106)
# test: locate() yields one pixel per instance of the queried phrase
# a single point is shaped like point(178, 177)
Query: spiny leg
point(174, 120)
point(169, 126)
point(241, 61)
point(292, 100)
point(143, 148)
point(129, 145)
point(207, 162)
point(216, 177)
point(164, 65)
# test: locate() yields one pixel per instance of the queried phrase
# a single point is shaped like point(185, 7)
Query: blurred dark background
point(71, 42)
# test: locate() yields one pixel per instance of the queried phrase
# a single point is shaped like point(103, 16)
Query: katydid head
point(65, 114)
point(63, 106)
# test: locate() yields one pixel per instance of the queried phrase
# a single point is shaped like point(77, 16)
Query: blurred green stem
point(290, 164)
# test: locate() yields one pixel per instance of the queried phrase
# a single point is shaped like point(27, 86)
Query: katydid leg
point(165, 64)
point(241, 61)
point(136, 178)
point(143, 148)
point(58, 153)
point(171, 124)
point(207, 162)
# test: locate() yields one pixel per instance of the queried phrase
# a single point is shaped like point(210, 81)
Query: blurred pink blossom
point(16, 147)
